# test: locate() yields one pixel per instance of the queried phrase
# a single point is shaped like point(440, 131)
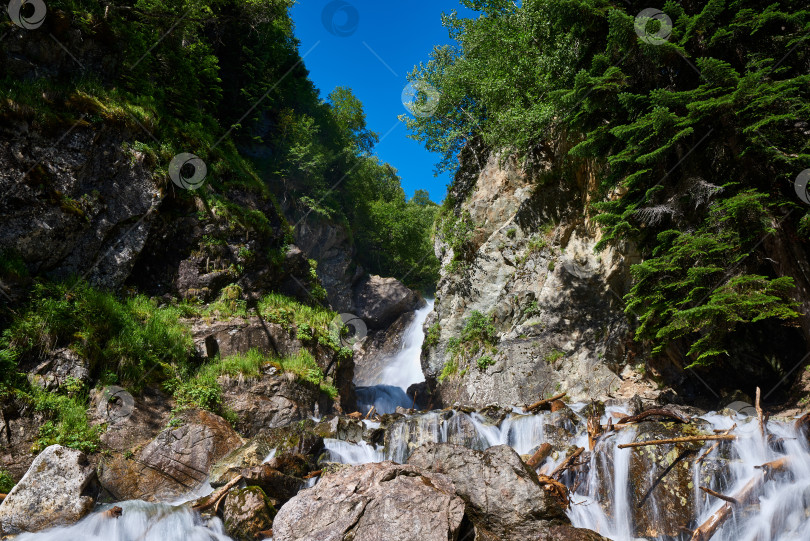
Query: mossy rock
point(247, 512)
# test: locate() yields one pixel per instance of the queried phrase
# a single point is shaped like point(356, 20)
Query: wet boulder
point(278, 486)
point(372, 502)
point(253, 453)
point(59, 488)
point(173, 464)
point(504, 499)
point(662, 491)
point(60, 367)
point(246, 513)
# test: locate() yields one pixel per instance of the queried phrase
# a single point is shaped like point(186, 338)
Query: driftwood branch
point(3, 497)
point(715, 444)
point(746, 494)
point(556, 488)
point(654, 413)
point(723, 497)
point(762, 420)
point(370, 412)
point(213, 499)
point(542, 404)
point(567, 463)
point(686, 439)
point(313, 474)
point(595, 430)
point(539, 456)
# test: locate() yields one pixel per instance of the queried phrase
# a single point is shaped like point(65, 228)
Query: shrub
point(6, 481)
point(484, 362)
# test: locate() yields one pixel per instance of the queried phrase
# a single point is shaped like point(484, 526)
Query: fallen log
point(266, 534)
point(539, 456)
point(315, 473)
point(542, 404)
point(686, 439)
point(746, 494)
point(715, 444)
point(595, 430)
point(213, 499)
point(357, 416)
point(762, 420)
point(3, 497)
point(654, 413)
point(370, 412)
point(556, 488)
point(567, 463)
point(723, 497)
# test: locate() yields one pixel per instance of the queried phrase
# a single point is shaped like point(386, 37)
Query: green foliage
point(554, 356)
point(68, 424)
point(449, 369)
point(479, 328)
point(12, 266)
point(485, 361)
point(432, 336)
point(694, 164)
point(127, 337)
point(6, 481)
point(457, 232)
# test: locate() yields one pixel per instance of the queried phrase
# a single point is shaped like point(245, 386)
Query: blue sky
point(383, 41)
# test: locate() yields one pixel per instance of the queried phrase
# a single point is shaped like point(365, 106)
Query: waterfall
point(140, 521)
point(405, 368)
point(401, 370)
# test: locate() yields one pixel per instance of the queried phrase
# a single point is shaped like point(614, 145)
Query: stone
point(373, 502)
point(503, 496)
point(271, 402)
point(57, 368)
point(546, 290)
point(278, 486)
point(253, 453)
point(246, 513)
point(379, 301)
point(59, 488)
point(173, 464)
point(671, 504)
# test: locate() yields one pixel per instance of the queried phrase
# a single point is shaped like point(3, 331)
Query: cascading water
point(140, 521)
point(400, 372)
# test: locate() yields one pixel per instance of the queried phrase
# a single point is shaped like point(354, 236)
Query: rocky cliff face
point(519, 250)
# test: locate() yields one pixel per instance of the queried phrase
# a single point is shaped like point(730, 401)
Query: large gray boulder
point(59, 488)
point(373, 502)
point(380, 301)
point(271, 402)
point(504, 499)
point(174, 464)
